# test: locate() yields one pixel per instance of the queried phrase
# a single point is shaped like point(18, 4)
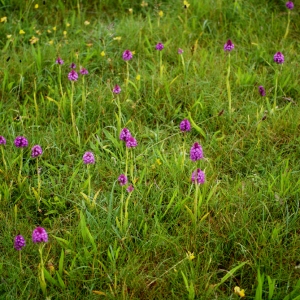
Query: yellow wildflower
point(33, 40)
point(36, 6)
point(138, 77)
point(65, 33)
point(117, 38)
point(239, 292)
point(102, 53)
point(21, 31)
point(9, 36)
point(38, 32)
point(161, 13)
point(190, 256)
point(51, 42)
point(89, 45)
point(144, 4)
point(3, 20)
point(186, 4)
point(130, 10)
point(68, 24)
point(54, 28)
point(49, 31)
point(86, 23)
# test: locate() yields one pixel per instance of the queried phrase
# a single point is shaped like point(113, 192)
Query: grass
point(159, 241)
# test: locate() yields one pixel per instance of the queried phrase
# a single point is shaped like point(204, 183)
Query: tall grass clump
point(149, 150)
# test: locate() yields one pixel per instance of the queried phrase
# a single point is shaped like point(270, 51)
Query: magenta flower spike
point(279, 58)
point(180, 51)
point(185, 125)
point(88, 158)
point(159, 47)
point(59, 61)
point(122, 179)
point(130, 188)
point(2, 140)
point(196, 152)
point(125, 134)
point(84, 71)
point(198, 176)
point(131, 142)
point(19, 242)
point(73, 66)
point(21, 142)
point(262, 91)
point(117, 89)
point(229, 46)
point(127, 55)
point(289, 5)
point(73, 76)
point(36, 151)
point(39, 235)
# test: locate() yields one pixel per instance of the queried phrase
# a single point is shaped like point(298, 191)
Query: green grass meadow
point(169, 238)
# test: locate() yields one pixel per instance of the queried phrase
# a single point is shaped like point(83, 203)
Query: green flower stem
point(35, 104)
point(131, 164)
point(89, 182)
point(126, 161)
point(126, 213)
point(196, 203)
point(119, 115)
point(39, 181)
point(228, 86)
point(73, 116)
point(20, 260)
point(3, 159)
point(21, 166)
point(288, 25)
point(41, 273)
point(183, 152)
point(127, 78)
point(122, 207)
point(83, 97)
point(59, 79)
point(160, 65)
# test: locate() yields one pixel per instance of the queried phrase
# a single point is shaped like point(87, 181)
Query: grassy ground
point(169, 238)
